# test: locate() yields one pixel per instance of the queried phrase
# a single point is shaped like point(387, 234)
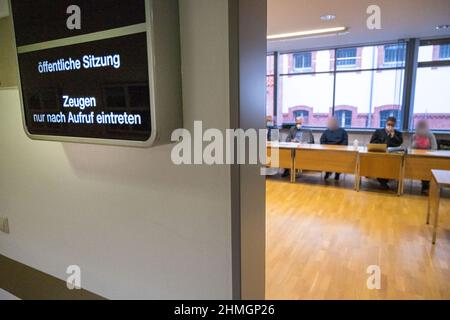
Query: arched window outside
point(344, 117)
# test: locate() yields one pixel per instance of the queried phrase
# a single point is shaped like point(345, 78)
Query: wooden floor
point(321, 238)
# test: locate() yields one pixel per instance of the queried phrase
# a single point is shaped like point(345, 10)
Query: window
point(444, 52)
point(302, 114)
point(395, 54)
point(432, 94)
point(344, 117)
point(346, 57)
point(306, 94)
point(270, 88)
point(366, 87)
point(356, 93)
point(386, 114)
point(302, 61)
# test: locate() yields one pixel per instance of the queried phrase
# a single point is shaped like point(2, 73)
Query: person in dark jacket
point(334, 135)
point(390, 136)
point(299, 134)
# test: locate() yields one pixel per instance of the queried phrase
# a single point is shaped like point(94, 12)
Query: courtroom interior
point(358, 116)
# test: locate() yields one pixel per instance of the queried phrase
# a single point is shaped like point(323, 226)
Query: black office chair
point(443, 144)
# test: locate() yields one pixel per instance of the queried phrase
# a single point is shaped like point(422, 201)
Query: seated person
point(299, 135)
point(390, 136)
point(334, 135)
point(425, 140)
point(272, 130)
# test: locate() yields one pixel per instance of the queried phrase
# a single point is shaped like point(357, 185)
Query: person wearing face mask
point(390, 136)
point(425, 140)
point(298, 134)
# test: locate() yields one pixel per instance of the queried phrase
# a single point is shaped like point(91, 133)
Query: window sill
point(363, 130)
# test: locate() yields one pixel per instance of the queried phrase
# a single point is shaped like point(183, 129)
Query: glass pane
point(372, 57)
point(307, 96)
point(270, 64)
point(346, 58)
point(270, 95)
point(431, 53)
point(368, 96)
point(392, 55)
point(432, 97)
point(302, 62)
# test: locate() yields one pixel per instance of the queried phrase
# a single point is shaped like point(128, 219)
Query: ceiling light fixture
point(443, 27)
point(328, 17)
point(301, 34)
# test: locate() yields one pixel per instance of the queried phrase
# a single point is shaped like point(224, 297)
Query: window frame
point(346, 66)
point(410, 66)
point(344, 113)
point(335, 70)
point(426, 64)
point(447, 46)
point(302, 69)
point(397, 60)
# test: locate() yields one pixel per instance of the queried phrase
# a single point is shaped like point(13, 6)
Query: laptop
point(372, 147)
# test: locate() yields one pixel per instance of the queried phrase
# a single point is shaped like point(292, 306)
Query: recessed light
point(443, 27)
point(328, 17)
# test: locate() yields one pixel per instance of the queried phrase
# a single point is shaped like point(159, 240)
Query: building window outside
point(344, 118)
point(346, 58)
point(444, 52)
point(302, 61)
point(386, 114)
point(302, 114)
point(395, 54)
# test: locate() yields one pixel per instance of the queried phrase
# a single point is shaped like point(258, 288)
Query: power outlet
point(4, 225)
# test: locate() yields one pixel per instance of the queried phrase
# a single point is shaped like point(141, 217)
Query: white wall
point(6, 296)
point(138, 226)
point(4, 8)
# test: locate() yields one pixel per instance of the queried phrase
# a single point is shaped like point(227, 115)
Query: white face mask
point(269, 124)
point(299, 126)
point(389, 128)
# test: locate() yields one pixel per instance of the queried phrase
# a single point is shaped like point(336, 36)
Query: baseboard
point(27, 283)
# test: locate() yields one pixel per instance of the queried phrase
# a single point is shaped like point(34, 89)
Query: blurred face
point(422, 127)
point(299, 123)
point(333, 124)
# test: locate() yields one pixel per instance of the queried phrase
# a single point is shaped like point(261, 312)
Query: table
point(419, 163)
point(439, 179)
point(381, 165)
point(326, 158)
point(416, 165)
point(285, 155)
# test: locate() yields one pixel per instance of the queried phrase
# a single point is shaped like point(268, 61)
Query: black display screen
point(98, 89)
point(38, 21)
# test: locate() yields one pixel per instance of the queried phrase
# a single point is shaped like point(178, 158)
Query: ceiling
point(400, 19)
point(4, 12)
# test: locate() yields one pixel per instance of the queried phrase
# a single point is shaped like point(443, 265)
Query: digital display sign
point(93, 87)
point(97, 89)
point(45, 20)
